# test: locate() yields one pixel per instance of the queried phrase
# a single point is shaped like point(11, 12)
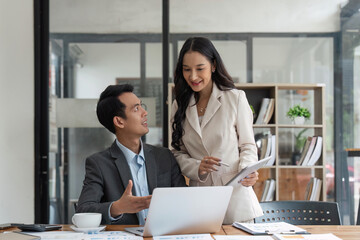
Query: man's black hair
point(109, 105)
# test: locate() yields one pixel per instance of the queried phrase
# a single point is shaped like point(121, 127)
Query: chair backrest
point(75, 206)
point(300, 212)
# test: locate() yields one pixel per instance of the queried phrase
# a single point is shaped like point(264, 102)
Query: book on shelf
point(269, 191)
point(268, 146)
point(315, 194)
point(272, 151)
point(262, 147)
point(318, 190)
point(269, 111)
point(265, 190)
point(309, 151)
point(317, 152)
point(313, 189)
point(304, 150)
point(266, 111)
point(308, 189)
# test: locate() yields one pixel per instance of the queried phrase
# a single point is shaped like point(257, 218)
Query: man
point(119, 181)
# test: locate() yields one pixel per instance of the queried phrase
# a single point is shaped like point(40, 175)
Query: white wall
point(17, 111)
point(255, 15)
point(102, 63)
point(114, 16)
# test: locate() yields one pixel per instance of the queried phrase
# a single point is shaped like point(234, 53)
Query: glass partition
point(299, 60)
point(97, 43)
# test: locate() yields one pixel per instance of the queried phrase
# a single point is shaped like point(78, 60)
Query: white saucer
point(88, 230)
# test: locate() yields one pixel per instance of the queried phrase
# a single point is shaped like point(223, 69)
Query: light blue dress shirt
point(138, 171)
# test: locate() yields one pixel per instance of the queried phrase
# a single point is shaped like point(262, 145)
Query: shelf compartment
point(292, 182)
point(264, 174)
point(309, 97)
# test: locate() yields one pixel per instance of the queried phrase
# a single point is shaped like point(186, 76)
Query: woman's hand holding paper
point(250, 180)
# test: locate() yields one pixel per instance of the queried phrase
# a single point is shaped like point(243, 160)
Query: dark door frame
point(41, 52)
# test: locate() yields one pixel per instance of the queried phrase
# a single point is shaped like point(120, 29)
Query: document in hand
point(327, 236)
point(269, 228)
point(246, 171)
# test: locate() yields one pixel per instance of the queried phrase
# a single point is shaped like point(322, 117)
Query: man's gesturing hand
point(129, 203)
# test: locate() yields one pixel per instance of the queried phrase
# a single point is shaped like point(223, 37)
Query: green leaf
point(298, 111)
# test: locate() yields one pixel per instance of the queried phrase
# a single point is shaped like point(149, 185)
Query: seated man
point(119, 180)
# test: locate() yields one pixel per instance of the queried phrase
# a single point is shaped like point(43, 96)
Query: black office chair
point(300, 212)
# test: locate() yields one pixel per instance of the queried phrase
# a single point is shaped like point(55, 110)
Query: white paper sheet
point(241, 237)
point(106, 235)
point(58, 235)
point(185, 237)
point(326, 236)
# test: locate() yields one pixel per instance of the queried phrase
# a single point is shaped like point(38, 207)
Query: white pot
point(299, 120)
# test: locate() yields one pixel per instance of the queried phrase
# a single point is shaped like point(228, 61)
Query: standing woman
point(212, 124)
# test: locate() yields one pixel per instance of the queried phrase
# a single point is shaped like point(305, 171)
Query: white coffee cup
point(86, 220)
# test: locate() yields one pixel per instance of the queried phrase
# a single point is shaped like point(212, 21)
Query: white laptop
point(185, 210)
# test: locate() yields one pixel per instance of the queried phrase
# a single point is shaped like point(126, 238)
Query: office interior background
point(91, 44)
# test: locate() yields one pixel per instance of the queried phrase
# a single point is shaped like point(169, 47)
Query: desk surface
point(343, 232)
point(353, 152)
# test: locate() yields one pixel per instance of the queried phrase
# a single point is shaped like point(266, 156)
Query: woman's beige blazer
point(225, 132)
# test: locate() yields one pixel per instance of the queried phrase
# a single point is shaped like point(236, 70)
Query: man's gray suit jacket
point(108, 174)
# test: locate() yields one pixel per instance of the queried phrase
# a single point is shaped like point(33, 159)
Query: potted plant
point(298, 114)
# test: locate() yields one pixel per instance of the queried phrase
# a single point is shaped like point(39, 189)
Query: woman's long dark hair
point(183, 91)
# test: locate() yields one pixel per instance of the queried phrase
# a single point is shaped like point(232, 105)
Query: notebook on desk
point(185, 210)
point(269, 228)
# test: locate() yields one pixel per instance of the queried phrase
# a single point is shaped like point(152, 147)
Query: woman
point(212, 124)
